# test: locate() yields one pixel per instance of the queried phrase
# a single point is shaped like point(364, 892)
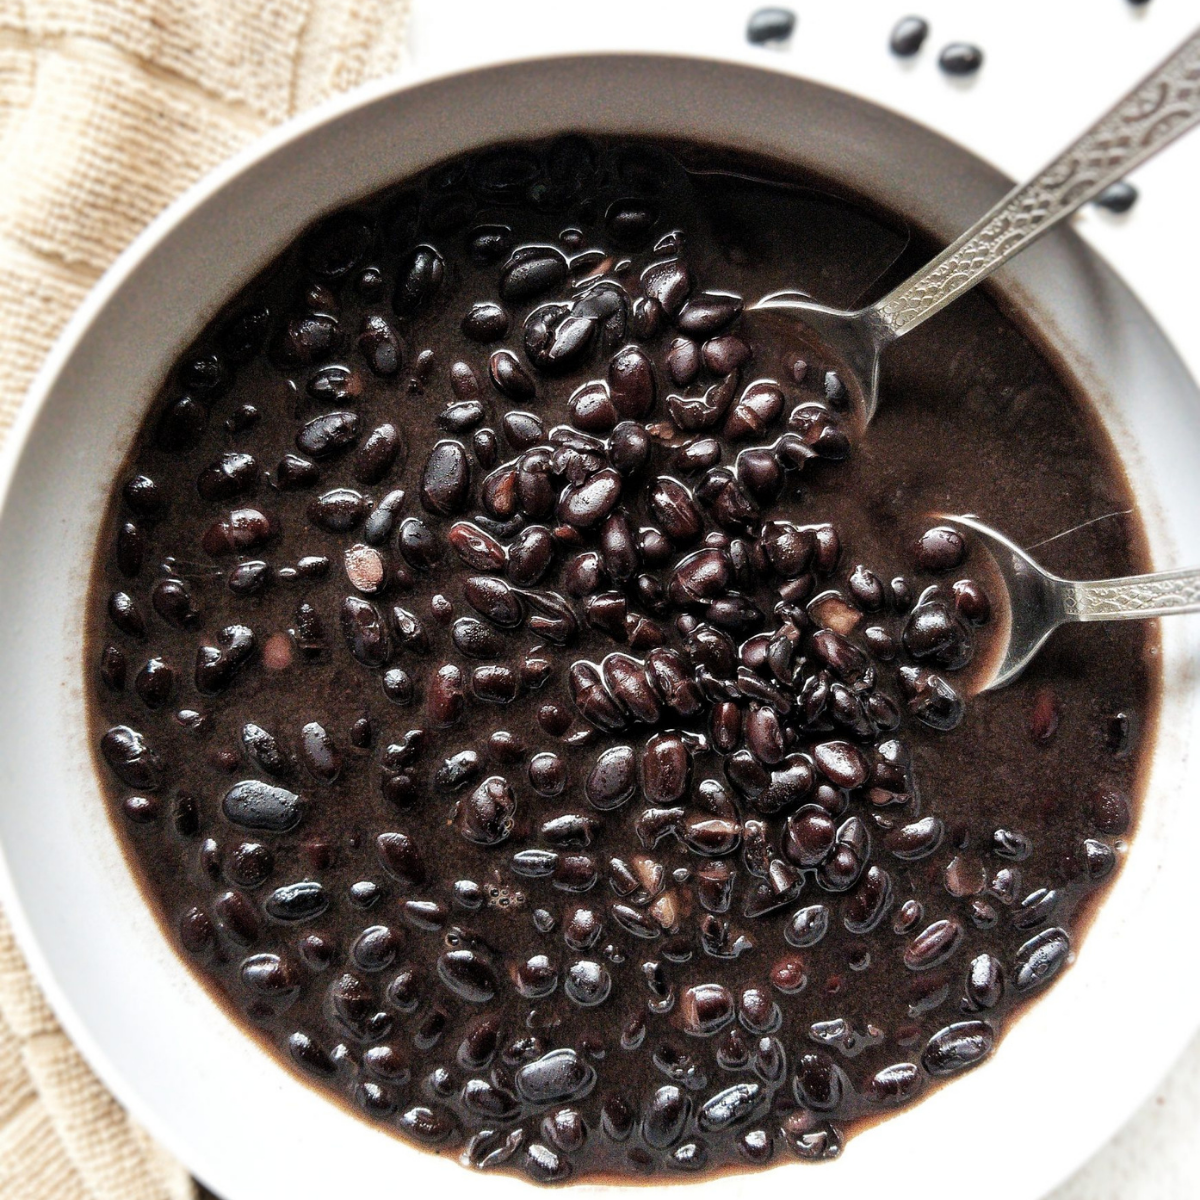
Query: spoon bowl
point(1036, 603)
point(856, 339)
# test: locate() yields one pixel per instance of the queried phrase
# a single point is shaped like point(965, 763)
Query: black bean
point(144, 496)
point(556, 1076)
point(1121, 196)
point(426, 1124)
point(589, 503)
point(916, 839)
point(401, 858)
point(769, 25)
point(485, 322)
point(256, 805)
point(730, 1107)
point(668, 283)
point(588, 983)
point(971, 602)
point(487, 1100)
point(446, 481)
point(125, 615)
point(131, 759)
point(486, 816)
point(558, 336)
point(297, 901)
point(675, 510)
point(626, 682)
point(462, 417)
point(629, 447)
point(319, 754)
point(666, 769)
point(335, 385)
point(113, 667)
point(571, 829)
point(894, 1084)
point(1095, 859)
point(809, 836)
point(535, 864)
point(707, 313)
point(232, 475)
point(530, 555)
point(419, 277)
point(706, 1009)
point(547, 774)
point(374, 458)
point(294, 473)
point(217, 665)
point(381, 346)
point(683, 361)
point(870, 901)
point(530, 271)
point(264, 751)
point(957, 1047)
point(613, 779)
point(270, 975)
point(1108, 810)
point(666, 1117)
point(419, 544)
point(329, 434)
point(523, 430)
point(631, 383)
point(181, 424)
point(494, 599)
point(477, 549)
point(309, 1055)
point(930, 698)
point(841, 762)
point(306, 338)
point(759, 405)
point(338, 245)
point(807, 926)
point(510, 378)
point(960, 58)
point(592, 408)
point(933, 945)
point(338, 510)
point(629, 220)
point(468, 976)
point(154, 683)
point(985, 981)
point(908, 36)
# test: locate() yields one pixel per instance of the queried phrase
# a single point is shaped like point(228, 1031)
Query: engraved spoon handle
point(1157, 111)
point(1134, 598)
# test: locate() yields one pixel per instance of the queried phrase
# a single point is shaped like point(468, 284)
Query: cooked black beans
point(582, 797)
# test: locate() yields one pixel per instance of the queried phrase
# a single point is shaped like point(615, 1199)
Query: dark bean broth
point(608, 802)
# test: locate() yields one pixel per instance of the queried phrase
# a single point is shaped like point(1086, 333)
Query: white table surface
point(1051, 66)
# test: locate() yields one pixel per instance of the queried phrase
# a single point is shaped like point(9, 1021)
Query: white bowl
point(1062, 1080)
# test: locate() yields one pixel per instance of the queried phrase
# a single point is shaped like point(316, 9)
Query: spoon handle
point(1134, 598)
point(1157, 111)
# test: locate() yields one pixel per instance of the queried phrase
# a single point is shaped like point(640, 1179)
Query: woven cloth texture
point(108, 110)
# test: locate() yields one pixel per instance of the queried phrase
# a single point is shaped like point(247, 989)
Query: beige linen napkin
point(108, 110)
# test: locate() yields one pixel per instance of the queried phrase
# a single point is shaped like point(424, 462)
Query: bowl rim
point(110, 285)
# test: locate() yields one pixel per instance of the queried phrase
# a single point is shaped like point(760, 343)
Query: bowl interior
point(208, 1091)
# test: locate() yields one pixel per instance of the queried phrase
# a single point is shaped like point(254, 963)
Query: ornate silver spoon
point(1157, 111)
point(1037, 603)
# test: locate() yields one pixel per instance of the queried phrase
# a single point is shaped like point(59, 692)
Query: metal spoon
point(1037, 603)
point(1157, 111)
